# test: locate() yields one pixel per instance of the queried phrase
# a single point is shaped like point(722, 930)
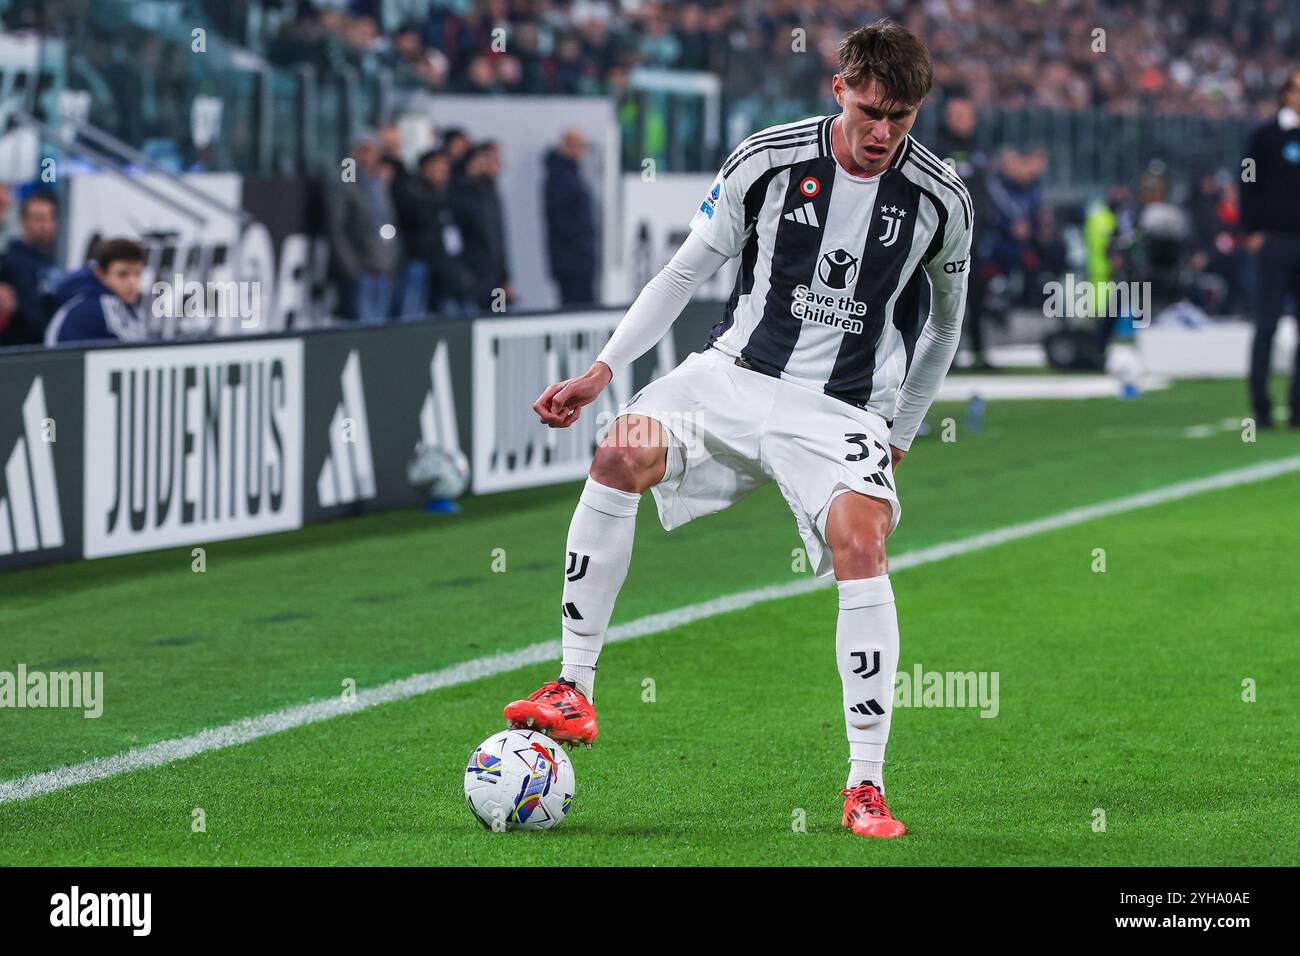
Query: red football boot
point(557, 709)
point(865, 812)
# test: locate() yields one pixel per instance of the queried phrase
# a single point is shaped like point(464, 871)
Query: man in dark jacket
point(1270, 215)
point(29, 268)
point(477, 206)
point(99, 300)
point(432, 237)
point(570, 221)
point(411, 280)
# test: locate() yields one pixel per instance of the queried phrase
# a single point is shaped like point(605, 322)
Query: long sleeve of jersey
point(937, 344)
point(660, 303)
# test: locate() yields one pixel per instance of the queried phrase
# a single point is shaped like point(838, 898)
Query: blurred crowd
point(1183, 235)
point(1212, 58)
point(1209, 58)
point(423, 230)
point(430, 237)
point(408, 240)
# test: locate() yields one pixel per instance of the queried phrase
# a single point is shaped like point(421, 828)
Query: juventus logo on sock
point(570, 574)
point(868, 708)
point(861, 669)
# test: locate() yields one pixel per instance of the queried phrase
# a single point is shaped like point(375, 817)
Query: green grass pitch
point(1120, 693)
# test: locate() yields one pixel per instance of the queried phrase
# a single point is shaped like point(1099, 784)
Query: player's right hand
point(561, 404)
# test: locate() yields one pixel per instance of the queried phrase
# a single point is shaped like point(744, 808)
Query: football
point(519, 780)
point(442, 472)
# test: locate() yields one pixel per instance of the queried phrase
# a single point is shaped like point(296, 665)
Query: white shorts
point(734, 429)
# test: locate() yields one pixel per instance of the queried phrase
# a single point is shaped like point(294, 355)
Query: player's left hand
point(895, 456)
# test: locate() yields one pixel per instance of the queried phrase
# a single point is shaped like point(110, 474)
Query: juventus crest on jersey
point(828, 293)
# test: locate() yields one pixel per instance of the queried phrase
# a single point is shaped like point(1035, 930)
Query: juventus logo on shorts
point(576, 572)
point(868, 708)
point(862, 666)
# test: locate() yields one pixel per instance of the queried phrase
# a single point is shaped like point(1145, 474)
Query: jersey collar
point(901, 154)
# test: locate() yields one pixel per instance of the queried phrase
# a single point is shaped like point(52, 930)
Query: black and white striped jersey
point(828, 295)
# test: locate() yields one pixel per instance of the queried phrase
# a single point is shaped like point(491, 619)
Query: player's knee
point(856, 531)
point(627, 468)
point(859, 553)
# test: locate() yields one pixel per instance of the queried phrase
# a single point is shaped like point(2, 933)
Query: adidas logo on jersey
point(805, 214)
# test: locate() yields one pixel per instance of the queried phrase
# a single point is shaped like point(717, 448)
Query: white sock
point(867, 771)
point(866, 650)
point(599, 551)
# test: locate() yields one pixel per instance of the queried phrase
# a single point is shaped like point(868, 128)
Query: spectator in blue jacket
point(29, 268)
point(99, 300)
point(570, 222)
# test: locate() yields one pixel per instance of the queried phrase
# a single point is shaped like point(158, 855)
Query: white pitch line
point(253, 728)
